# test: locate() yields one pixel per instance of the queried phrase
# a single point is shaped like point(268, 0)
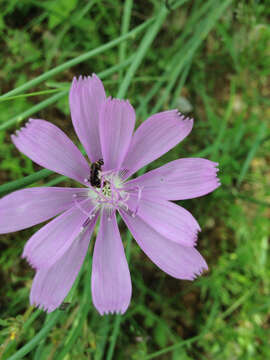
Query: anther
point(123, 172)
point(87, 221)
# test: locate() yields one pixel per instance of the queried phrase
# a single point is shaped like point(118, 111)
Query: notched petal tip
point(186, 122)
point(103, 312)
point(110, 101)
point(182, 116)
point(84, 79)
point(214, 168)
point(17, 134)
point(30, 261)
point(216, 179)
point(202, 270)
point(94, 76)
point(195, 237)
point(26, 253)
point(23, 128)
point(44, 307)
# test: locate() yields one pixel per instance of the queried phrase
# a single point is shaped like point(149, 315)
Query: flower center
point(106, 190)
point(110, 195)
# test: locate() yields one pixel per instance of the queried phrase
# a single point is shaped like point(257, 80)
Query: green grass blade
point(144, 46)
point(251, 153)
point(27, 180)
point(36, 93)
point(34, 109)
point(191, 47)
point(131, 34)
point(124, 29)
point(103, 336)
point(43, 104)
point(84, 310)
point(53, 319)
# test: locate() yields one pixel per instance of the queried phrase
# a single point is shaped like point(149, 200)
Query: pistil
point(110, 196)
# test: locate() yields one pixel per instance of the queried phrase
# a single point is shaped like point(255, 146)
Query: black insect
point(94, 173)
point(64, 306)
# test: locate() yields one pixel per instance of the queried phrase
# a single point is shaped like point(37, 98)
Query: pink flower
point(166, 232)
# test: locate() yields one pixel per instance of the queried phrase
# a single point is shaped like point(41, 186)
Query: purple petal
point(168, 219)
point(111, 284)
point(117, 120)
point(179, 180)
point(49, 147)
point(51, 285)
point(157, 135)
point(28, 207)
point(86, 96)
point(176, 260)
point(48, 244)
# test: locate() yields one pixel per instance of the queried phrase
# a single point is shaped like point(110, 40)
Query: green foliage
point(59, 11)
point(211, 60)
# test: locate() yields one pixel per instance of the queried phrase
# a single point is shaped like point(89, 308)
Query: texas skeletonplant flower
point(166, 232)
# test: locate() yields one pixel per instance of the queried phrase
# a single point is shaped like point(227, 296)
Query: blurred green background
point(209, 59)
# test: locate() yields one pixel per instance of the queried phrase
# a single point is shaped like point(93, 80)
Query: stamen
point(107, 172)
point(115, 193)
point(122, 205)
point(140, 188)
point(89, 215)
point(93, 212)
point(78, 205)
point(101, 181)
point(87, 221)
point(99, 193)
point(110, 195)
point(126, 198)
point(110, 212)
